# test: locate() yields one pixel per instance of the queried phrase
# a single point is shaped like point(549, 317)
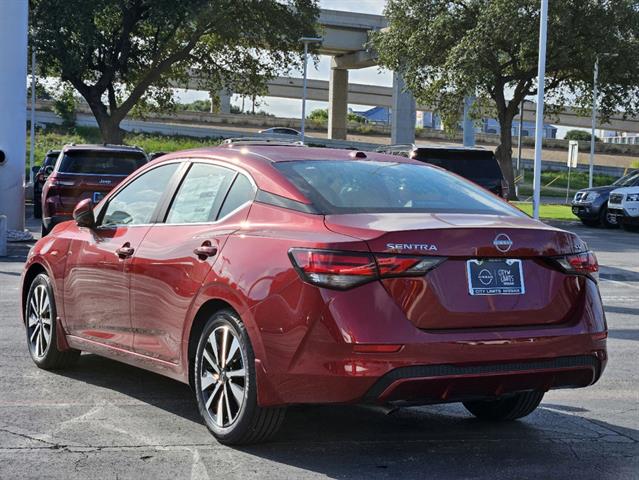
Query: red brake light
point(584, 263)
point(342, 270)
point(334, 269)
point(377, 348)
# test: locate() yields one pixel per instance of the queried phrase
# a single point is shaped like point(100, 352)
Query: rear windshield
point(101, 162)
point(467, 163)
point(385, 187)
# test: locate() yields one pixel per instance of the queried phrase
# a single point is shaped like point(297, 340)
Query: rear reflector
point(377, 348)
point(580, 263)
point(342, 270)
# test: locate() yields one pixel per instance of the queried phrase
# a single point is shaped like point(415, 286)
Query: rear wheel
point(508, 408)
point(225, 384)
point(41, 314)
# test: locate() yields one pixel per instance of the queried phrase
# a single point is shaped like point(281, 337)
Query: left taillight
point(343, 270)
point(584, 263)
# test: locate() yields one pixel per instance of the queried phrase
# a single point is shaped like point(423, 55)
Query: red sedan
point(270, 275)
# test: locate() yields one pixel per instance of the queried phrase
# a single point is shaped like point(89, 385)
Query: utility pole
point(594, 122)
point(539, 121)
point(307, 41)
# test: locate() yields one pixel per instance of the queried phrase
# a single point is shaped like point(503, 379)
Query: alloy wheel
point(39, 321)
point(222, 373)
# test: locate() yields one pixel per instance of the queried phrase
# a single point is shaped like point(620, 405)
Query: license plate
point(495, 277)
point(97, 196)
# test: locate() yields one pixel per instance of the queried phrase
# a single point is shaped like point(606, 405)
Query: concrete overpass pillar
point(220, 101)
point(337, 103)
point(403, 112)
point(13, 109)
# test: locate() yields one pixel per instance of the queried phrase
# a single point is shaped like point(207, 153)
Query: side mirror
point(48, 170)
point(83, 214)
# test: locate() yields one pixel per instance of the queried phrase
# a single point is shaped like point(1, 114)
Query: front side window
point(389, 187)
point(195, 201)
point(136, 202)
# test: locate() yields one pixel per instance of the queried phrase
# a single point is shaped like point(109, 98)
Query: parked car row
point(610, 206)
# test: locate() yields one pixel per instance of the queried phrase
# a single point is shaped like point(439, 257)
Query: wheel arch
point(30, 274)
point(266, 394)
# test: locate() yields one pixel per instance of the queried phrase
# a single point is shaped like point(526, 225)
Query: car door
point(96, 296)
point(176, 255)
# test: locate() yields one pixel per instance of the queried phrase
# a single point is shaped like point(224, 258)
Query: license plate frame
point(501, 276)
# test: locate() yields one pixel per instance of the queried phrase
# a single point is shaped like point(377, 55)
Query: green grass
point(54, 137)
point(548, 211)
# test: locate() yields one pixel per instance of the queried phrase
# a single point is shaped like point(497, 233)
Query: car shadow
point(624, 334)
point(439, 441)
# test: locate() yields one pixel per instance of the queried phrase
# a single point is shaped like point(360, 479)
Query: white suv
point(623, 203)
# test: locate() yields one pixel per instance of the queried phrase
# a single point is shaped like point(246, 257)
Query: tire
point(225, 384)
point(590, 223)
point(508, 408)
point(605, 220)
point(40, 326)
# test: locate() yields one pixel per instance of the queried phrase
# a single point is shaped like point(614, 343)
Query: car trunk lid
point(441, 299)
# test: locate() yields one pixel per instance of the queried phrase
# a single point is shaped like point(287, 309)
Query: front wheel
point(608, 220)
point(508, 408)
point(225, 384)
point(41, 314)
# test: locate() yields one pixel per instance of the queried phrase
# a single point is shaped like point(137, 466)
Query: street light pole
point(539, 120)
point(32, 131)
point(306, 41)
point(594, 121)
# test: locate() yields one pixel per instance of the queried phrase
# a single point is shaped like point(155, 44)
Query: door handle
point(205, 251)
point(125, 251)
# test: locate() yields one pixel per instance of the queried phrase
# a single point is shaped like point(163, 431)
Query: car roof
point(257, 160)
point(101, 147)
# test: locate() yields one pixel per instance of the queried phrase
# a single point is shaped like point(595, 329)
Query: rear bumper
point(450, 383)
point(315, 361)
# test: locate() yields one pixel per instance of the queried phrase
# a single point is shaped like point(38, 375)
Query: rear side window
point(388, 187)
point(136, 202)
point(198, 198)
point(101, 162)
point(240, 193)
point(466, 163)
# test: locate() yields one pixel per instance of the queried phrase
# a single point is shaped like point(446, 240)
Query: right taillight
point(584, 263)
point(342, 270)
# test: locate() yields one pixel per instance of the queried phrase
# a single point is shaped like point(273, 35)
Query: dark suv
point(85, 171)
point(478, 165)
point(40, 175)
point(591, 204)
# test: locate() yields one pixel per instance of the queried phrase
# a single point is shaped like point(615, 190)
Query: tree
point(121, 53)
point(579, 135)
point(447, 50)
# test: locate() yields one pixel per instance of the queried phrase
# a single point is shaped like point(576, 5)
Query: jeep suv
point(85, 171)
point(476, 164)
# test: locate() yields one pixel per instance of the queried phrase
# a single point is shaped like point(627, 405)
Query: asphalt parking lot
point(102, 419)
